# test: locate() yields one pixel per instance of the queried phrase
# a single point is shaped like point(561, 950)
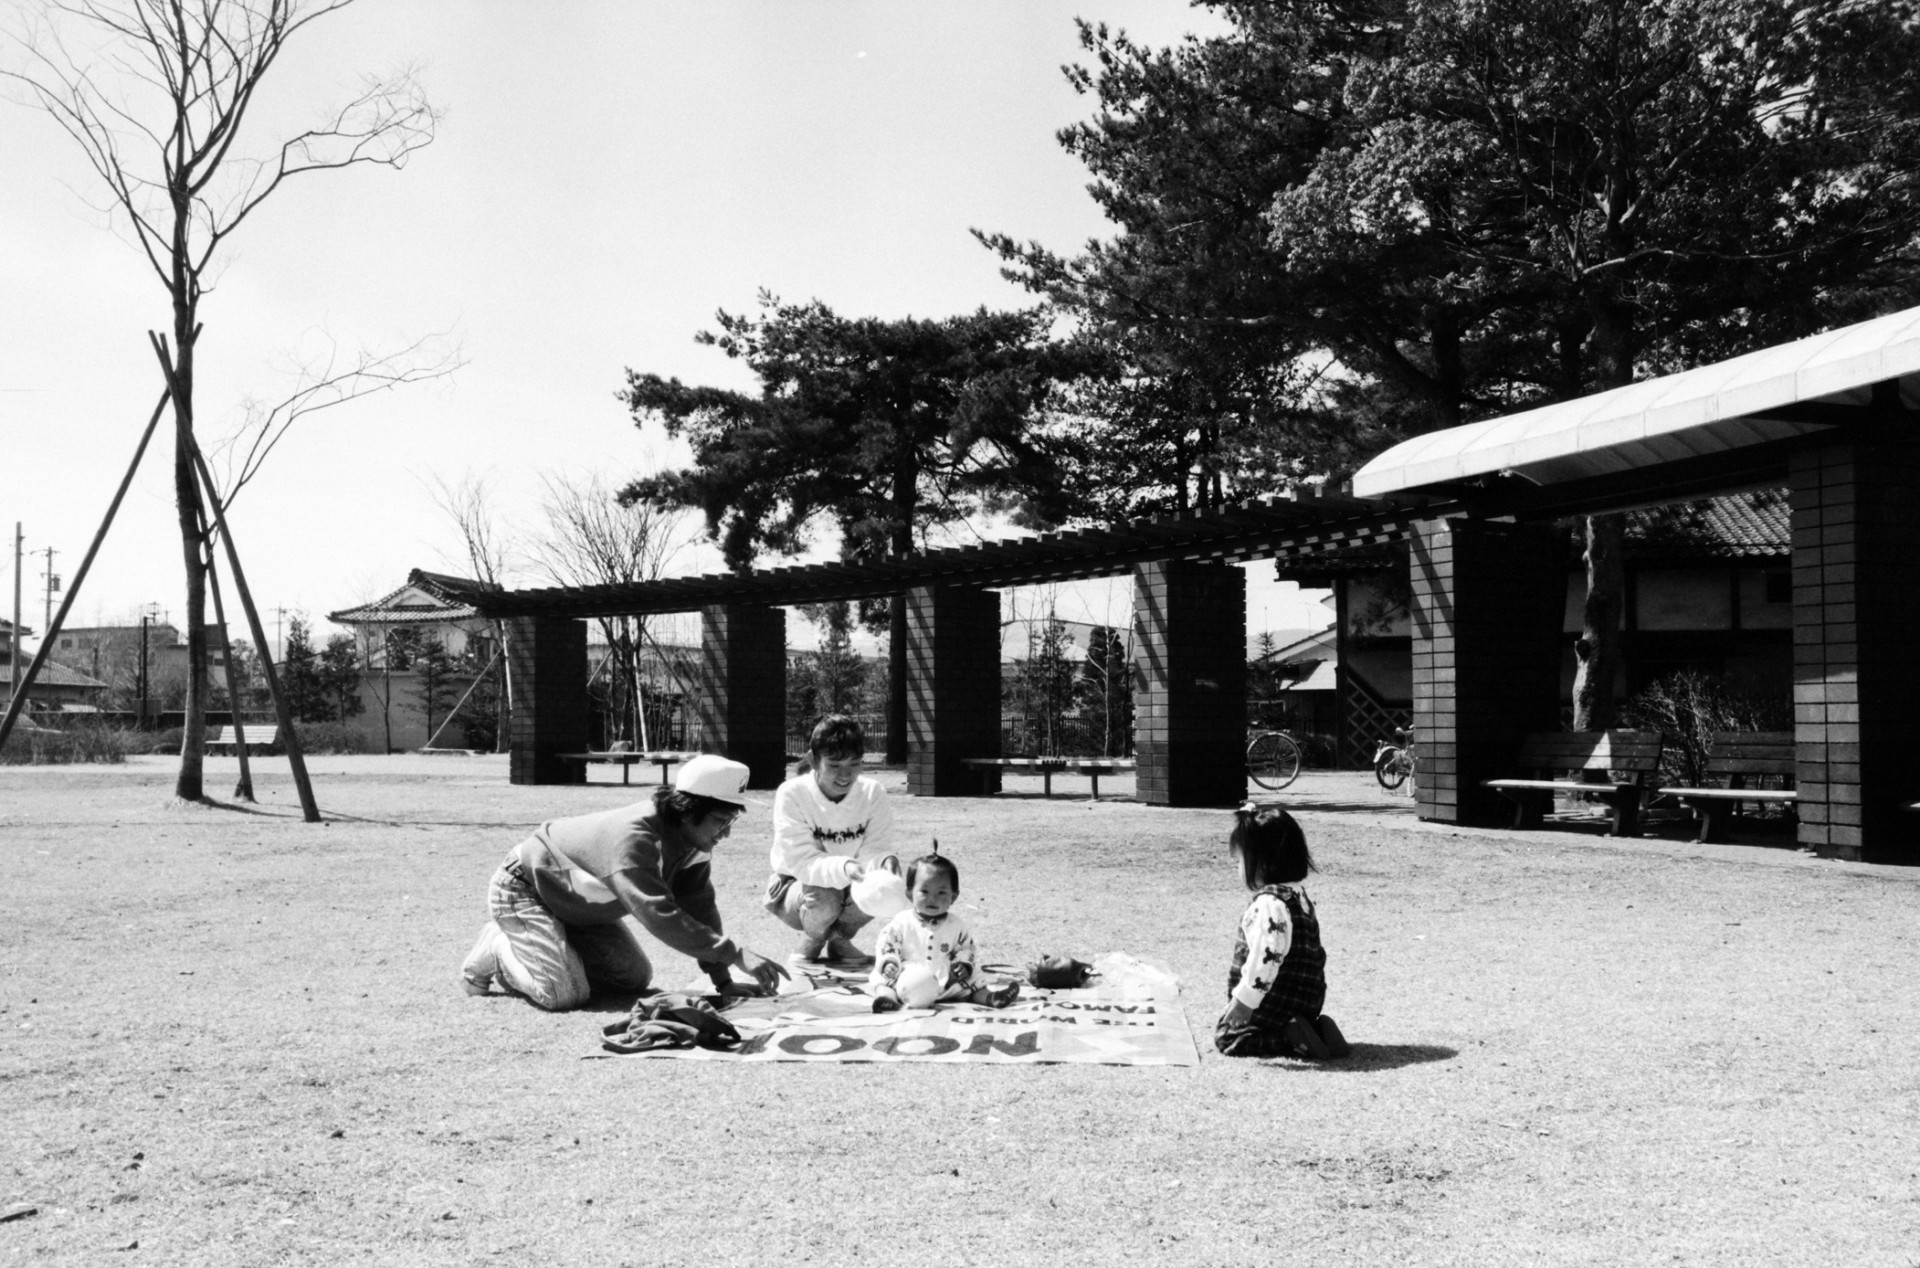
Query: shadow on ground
point(1367, 1058)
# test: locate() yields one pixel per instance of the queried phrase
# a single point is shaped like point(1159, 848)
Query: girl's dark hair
point(1271, 847)
point(837, 737)
point(675, 807)
point(937, 862)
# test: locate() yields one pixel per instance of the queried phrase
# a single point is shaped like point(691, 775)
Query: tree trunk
point(189, 784)
point(1599, 648)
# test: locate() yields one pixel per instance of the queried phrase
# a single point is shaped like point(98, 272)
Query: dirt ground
point(231, 1038)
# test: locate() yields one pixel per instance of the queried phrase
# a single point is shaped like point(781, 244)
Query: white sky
point(607, 176)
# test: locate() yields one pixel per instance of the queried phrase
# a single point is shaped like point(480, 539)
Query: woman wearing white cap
point(556, 934)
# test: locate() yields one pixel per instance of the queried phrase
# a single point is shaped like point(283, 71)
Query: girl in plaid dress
point(1277, 980)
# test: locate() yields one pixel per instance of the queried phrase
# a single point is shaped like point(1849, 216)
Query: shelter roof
point(1754, 402)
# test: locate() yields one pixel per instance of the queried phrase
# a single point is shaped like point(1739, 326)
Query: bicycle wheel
point(1273, 760)
point(1392, 767)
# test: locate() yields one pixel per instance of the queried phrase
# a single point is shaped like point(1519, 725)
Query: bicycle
point(1394, 764)
point(1273, 759)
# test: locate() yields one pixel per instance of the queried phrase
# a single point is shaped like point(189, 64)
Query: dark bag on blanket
point(1060, 972)
point(670, 1020)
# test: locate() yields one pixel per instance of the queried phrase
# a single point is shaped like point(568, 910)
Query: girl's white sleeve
point(1269, 930)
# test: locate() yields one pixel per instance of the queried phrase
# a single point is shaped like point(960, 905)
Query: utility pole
point(53, 583)
point(13, 652)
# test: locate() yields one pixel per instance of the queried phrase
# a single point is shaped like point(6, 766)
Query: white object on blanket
point(880, 893)
point(917, 986)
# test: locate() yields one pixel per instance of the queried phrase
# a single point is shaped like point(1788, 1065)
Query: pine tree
point(300, 677)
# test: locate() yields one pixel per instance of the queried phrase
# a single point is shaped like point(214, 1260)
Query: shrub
point(1687, 707)
point(334, 737)
point(83, 742)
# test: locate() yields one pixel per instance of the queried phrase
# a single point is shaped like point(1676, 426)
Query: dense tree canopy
point(886, 429)
point(1346, 223)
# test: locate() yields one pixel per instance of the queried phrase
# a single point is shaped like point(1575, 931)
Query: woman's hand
point(766, 974)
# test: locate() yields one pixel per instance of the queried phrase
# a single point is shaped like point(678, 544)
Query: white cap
point(710, 775)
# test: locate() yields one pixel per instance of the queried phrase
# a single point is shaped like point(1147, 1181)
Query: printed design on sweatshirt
point(840, 836)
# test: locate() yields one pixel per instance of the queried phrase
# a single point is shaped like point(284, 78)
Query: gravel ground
point(231, 1038)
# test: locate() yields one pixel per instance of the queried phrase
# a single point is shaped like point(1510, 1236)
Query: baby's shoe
point(1337, 1045)
point(1303, 1040)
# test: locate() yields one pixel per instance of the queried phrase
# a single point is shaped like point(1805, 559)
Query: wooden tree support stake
point(19, 700)
point(308, 808)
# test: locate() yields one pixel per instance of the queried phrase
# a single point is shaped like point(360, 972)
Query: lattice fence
point(1370, 719)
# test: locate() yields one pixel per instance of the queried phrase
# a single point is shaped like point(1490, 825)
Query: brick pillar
point(953, 689)
point(1488, 604)
point(547, 658)
point(1190, 683)
point(1856, 677)
point(741, 705)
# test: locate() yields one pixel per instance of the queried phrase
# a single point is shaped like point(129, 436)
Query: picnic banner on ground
point(1130, 1014)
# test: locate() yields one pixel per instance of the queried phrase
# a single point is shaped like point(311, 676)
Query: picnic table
point(625, 759)
point(1048, 767)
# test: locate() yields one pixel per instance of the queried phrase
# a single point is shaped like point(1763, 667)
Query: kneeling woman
point(556, 934)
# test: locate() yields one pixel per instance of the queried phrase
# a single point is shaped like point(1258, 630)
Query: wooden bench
point(1734, 758)
point(1583, 764)
point(625, 759)
point(259, 739)
point(1048, 767)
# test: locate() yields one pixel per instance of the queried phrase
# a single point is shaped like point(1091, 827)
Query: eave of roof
point(1774, 395)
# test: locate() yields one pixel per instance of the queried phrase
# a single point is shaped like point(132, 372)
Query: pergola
point(1189, 659)
point(1831, 417)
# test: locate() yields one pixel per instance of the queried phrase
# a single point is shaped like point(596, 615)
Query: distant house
point(1296, 685)
point(387, 634)
point(461, 630)
point(1708, 587)
point(57, 688)
point(112, 652)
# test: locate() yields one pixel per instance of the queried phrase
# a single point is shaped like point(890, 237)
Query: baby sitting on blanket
point(926, 953)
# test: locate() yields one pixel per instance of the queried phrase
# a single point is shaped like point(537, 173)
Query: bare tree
point(486, 555)
point(155, 94)
point(323, 379)
point(590, 539)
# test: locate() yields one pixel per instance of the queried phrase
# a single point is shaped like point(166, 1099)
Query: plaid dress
point(1295, 984)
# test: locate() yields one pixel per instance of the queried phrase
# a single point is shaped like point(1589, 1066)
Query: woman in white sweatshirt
point(829, 825)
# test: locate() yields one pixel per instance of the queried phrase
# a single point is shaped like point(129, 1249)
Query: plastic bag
point(880, 893)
